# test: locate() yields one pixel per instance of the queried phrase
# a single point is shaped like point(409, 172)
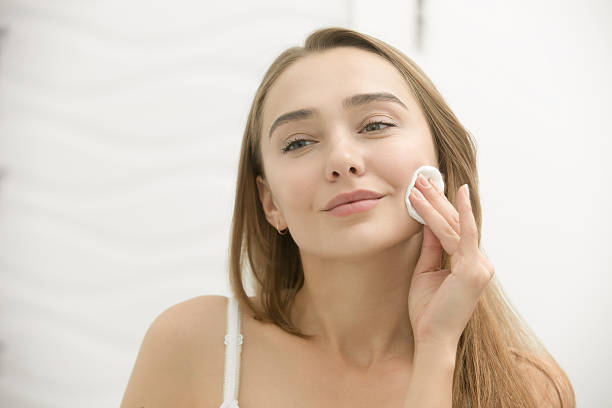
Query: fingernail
point(423, 181)
point(432, 184)
point(417, 194)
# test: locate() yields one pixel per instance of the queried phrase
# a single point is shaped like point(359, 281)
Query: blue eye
point(290, 143)
point(378, 122)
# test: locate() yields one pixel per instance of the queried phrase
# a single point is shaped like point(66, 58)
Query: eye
point(287, 147)
point(378, 122)
point(290, 143)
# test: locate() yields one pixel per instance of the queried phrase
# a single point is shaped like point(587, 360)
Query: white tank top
point(233, 348)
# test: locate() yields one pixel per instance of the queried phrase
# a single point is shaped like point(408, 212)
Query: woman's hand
point(441, 302)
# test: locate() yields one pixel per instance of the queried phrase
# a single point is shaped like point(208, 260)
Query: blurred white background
point(120, 128)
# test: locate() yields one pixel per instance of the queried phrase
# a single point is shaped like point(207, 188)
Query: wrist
point(431, 384)
point(438, 355)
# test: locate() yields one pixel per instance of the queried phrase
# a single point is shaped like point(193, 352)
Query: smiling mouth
point(349, 202)
point(354, 207)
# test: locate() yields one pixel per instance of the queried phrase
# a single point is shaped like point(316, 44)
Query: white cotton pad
point(428, 172)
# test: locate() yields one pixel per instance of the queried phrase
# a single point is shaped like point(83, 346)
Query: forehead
point(323, 80)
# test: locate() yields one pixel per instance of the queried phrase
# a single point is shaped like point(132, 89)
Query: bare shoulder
point(180, 349)
point(550, 385)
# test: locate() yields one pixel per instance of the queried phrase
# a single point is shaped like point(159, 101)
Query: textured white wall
point(120, 128)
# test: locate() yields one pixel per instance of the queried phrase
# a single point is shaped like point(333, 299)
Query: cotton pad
point(429, 172)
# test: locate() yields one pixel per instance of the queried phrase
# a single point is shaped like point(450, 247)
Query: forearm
point(431, 384)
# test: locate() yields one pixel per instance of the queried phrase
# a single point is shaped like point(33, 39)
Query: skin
point(386, 318)
point(356, 281)
point(374, 292)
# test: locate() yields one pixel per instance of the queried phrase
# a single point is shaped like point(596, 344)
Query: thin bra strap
point(233, 349)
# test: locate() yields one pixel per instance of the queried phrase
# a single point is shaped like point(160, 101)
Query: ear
point(273, 213)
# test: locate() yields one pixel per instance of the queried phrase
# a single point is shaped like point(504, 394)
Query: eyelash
point(286, 149)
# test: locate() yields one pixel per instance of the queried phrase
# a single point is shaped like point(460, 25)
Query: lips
point(350, 197)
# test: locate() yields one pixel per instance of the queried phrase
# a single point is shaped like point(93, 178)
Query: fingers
point(469, 231)
point(438, 213)
point(454, 229)
point(439, 201)
point(431, 257)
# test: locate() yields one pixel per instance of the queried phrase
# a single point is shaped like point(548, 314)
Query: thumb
point(431, 253)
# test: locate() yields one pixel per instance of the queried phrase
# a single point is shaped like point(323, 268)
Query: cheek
point(398, 163)
point(297, 187)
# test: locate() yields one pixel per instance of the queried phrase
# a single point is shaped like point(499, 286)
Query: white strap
point(233, 349)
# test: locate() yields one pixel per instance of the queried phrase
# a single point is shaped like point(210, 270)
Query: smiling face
point(338, 147)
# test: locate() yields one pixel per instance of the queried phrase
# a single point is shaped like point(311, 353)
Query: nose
point(344, 159)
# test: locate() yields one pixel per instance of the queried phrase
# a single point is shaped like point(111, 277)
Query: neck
point(357, 309)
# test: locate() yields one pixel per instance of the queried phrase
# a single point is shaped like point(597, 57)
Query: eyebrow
point(350, 102)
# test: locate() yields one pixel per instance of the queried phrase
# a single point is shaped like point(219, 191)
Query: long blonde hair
point(487, 373)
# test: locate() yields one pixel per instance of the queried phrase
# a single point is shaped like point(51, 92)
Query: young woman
point(357, 305)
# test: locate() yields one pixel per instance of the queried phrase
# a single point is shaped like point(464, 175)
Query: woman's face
point(338, 148)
